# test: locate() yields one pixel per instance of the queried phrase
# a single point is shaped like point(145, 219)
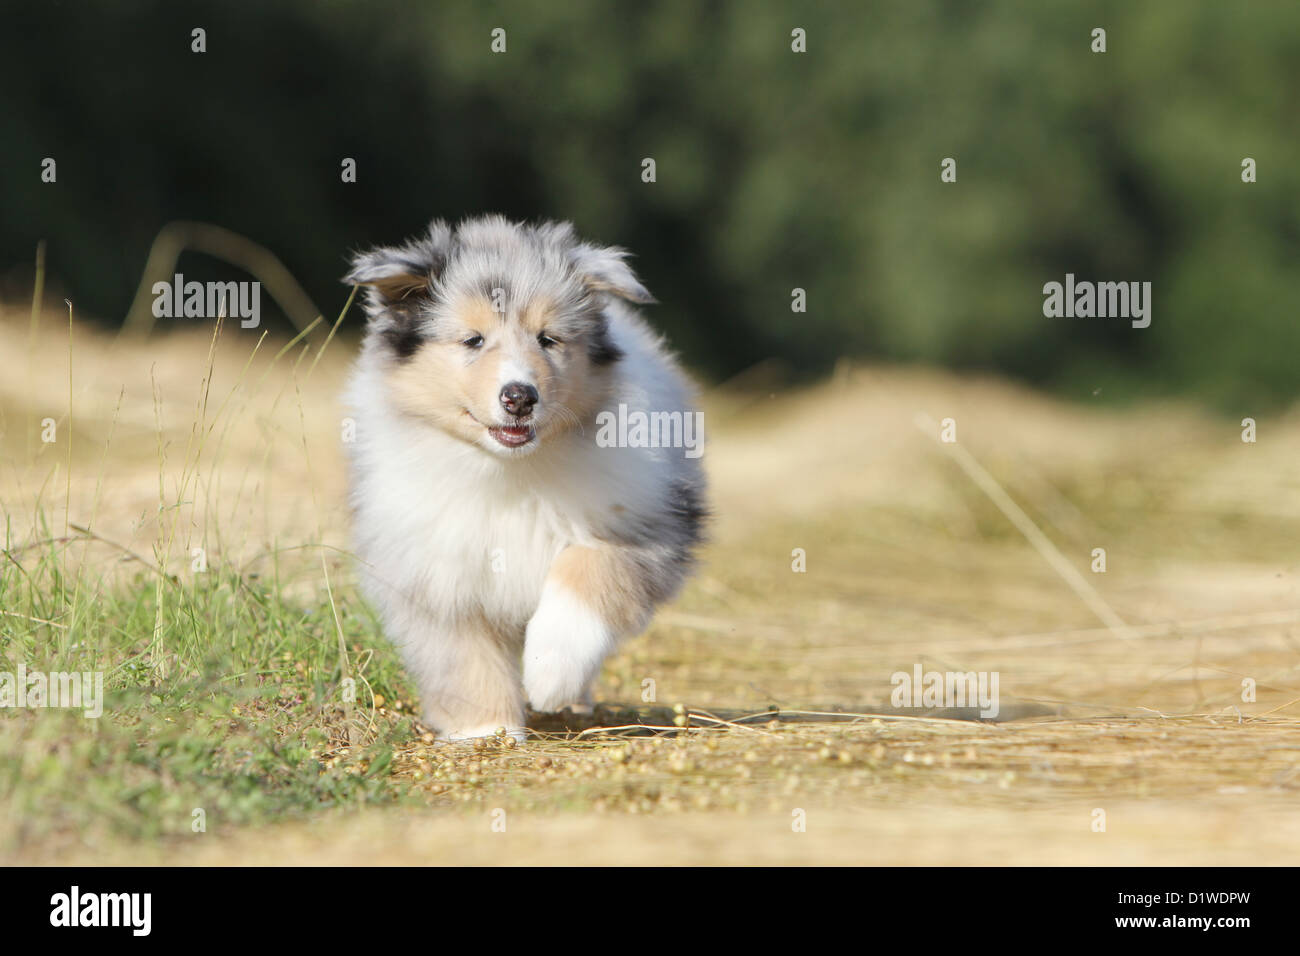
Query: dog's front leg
point(592, 598)
point(468, 677)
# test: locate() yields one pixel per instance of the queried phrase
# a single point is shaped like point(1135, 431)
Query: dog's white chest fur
point(456, 531)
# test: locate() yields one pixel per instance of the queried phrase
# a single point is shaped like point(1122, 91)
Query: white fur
point(564, 646)
point(431, 512)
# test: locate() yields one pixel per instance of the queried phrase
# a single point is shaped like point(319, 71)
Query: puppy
point(498, 519)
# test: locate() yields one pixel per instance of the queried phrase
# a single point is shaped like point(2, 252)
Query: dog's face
point(495, 332)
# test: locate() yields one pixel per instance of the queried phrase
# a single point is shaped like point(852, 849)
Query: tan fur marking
point(440, 381)
point(535, 315)
point(399, 286)
point(477, 315)
point(606, 582)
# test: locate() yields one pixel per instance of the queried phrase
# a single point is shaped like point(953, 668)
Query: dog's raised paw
point(564, 646)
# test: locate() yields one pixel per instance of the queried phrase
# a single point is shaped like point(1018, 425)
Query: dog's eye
point(545, 341)
point(473, 342)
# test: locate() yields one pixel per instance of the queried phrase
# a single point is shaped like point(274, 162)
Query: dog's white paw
point(564, 646)
point(583, 705)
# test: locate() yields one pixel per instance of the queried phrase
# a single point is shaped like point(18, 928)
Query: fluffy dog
point(490, 520)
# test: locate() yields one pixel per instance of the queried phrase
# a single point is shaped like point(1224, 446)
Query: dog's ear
point(395, 274)
point(605, 269)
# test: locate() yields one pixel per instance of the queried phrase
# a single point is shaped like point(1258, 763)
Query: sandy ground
point(907, 562)
point(1139, 834)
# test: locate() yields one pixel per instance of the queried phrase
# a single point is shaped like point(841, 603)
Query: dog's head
point(496, 331)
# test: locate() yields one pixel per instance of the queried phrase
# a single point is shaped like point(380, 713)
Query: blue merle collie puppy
point(508, 548)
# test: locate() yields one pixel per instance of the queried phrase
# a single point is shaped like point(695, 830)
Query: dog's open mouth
point(512, 436)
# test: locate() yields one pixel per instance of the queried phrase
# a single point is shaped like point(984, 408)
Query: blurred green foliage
point(775, 170)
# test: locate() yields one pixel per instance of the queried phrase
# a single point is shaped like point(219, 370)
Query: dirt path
point(1184, 730)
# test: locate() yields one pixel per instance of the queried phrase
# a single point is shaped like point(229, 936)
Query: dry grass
point(907, 562)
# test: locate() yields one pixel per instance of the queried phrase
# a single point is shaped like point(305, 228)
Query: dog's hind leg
point(593, 597)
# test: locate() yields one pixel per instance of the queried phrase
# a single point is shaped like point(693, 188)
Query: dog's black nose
point(518, 398)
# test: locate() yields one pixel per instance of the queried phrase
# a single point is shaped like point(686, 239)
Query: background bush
point(775, 170)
